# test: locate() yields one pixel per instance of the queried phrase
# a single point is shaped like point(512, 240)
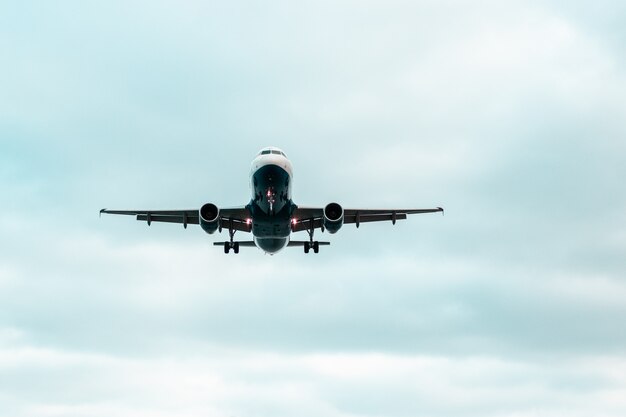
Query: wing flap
point(179, 218)
point(367, 218)
point(308, 212)
point(237, 224)
point(305, 224)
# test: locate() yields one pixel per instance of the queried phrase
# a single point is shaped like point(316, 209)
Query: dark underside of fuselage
point(271, 208)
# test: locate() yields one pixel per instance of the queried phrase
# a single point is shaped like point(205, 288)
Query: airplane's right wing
point(307, 218)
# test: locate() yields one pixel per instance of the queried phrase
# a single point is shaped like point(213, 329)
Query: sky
point(508, 114)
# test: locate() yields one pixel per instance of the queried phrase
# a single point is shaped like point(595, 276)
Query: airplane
point(271, 215)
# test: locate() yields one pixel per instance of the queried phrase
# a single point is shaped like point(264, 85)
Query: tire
point(226, 247)
point(316, 247)
point(306, 247)
point(236, 247)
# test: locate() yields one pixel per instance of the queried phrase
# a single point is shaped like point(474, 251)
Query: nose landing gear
point(271, 198)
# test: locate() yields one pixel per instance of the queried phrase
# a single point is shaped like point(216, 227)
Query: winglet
point(442, 211)
point(102, 211)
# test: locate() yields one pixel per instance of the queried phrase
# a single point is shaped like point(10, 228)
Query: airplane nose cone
point(272, 245)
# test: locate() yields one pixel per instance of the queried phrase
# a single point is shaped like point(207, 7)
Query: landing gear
point(315, 245)
point(311, 243)
point(230, 244)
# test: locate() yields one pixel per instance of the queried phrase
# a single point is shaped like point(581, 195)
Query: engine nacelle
point(333, 217)
point(209, 218)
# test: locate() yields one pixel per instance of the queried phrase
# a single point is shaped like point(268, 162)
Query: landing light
point(248, 222)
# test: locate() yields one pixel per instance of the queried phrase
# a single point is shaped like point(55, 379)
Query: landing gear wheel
point(226, 247)
point(316, 247)
point(236, 247)
point(307, 246)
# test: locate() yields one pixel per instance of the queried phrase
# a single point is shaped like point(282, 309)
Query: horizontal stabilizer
point(302, 242)
point(247, 243)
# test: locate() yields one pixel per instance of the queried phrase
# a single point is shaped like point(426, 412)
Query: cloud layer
point(510, 116)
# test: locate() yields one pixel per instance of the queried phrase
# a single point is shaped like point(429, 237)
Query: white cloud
point(318, 384)
point(509, 115)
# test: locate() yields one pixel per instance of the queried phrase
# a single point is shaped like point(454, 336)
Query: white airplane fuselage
point(270, 205)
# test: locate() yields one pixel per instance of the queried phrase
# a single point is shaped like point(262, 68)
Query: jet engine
point(333, 217)
point(209, 218)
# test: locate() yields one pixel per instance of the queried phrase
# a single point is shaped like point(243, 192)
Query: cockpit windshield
point(272, 151)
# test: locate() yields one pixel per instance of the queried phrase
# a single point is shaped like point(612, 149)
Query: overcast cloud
point(508, 114)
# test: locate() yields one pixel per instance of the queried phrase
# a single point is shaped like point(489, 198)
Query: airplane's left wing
point(235, 217)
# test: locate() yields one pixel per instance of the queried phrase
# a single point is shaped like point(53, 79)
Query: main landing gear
point(314, 245)
point(311, 244)
point(231, 245)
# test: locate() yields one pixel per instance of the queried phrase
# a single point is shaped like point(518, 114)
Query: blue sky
point(510, 115)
